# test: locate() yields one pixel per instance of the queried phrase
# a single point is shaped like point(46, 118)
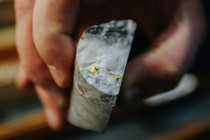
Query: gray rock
point(101, 59)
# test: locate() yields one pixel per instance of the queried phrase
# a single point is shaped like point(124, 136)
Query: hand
point(171, 54)
point(47, 51)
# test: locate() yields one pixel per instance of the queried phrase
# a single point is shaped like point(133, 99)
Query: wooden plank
point(7, 38)
point(23, 124)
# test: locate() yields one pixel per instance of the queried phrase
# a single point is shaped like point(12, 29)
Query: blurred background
point(183, 113)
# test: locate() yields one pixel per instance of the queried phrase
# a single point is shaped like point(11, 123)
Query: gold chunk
point(93, 69)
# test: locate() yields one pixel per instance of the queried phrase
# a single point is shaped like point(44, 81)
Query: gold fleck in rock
point(93, 69)
point(116, 76)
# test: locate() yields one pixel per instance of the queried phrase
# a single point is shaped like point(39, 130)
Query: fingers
point(55, 105)
point(34, 67)
point(30, 61)
point(53, 22)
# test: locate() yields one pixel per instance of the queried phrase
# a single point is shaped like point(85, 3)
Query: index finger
point(53, 22)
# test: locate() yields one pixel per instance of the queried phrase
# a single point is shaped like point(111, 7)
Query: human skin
point(46, 32)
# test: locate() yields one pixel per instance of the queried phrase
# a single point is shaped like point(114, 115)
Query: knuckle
point(41, 37)
point(45, 31)
point(45, 47)
point(162, 67)
point(169, 69)
point(44, 38)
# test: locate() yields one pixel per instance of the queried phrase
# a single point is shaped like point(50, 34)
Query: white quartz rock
point(101, 59)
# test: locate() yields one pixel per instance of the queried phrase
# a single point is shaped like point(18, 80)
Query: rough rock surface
point(101, 59)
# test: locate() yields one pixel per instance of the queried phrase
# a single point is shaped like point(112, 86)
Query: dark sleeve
point(201, 64)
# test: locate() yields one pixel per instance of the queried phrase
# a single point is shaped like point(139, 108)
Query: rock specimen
point(101, 59)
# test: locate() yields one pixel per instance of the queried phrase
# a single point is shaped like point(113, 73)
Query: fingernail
point(51, 117)
point(59, 77)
